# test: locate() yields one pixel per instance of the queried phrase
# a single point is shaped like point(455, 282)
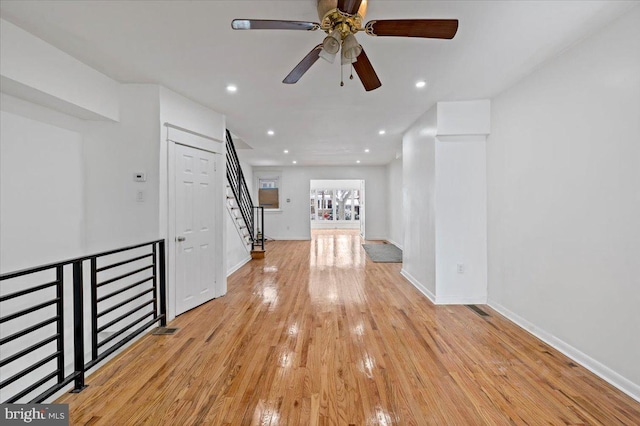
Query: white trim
point(596, 367)
point(239, 265)
point(395, 244)
point(418, 285)
point(191, 132)
point(196, 140)
point(456, 300)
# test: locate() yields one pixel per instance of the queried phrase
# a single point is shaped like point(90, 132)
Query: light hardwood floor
point(318, 334)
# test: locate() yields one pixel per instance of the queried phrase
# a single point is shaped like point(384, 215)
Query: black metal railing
point(118, 280)
point(253, 216)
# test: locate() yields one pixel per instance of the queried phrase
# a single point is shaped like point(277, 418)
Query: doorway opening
point(337, 204)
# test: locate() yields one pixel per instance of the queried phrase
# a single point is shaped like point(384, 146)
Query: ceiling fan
point(341, 20)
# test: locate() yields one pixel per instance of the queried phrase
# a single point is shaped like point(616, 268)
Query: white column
point(461, 202)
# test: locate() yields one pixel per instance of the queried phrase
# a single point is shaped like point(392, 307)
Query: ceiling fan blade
point(426, 28)
point(269, 24)
point(349, 6)
point(303, 66)
point(367, 74)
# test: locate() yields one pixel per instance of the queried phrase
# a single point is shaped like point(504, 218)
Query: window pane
point(268, 195)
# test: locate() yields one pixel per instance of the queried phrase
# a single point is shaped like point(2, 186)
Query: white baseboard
point(418, 285)
point(239, 265)
point(455, 300)
point(395, 244)
point(597, 368)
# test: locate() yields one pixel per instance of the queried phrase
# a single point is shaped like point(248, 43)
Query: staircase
point(248, 219)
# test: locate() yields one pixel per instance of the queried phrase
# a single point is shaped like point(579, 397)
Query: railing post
point(94, 308)
point(163, 285)
point(60, 321)
point(262, 226)
point(78, 328)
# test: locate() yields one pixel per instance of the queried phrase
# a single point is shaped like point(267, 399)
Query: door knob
point(181, 238)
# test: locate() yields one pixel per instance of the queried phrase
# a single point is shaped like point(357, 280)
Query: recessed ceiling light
point(294, 162)
point(420, 84)
point(382, 132)
point(232, 88)
point(271, 132)
point(366, 150)
point(358, 161)
point(286, 151)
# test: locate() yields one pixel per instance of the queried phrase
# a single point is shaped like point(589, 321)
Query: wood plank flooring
point(317, 334)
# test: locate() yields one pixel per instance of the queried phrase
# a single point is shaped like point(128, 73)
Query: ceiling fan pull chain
point(341, 76)
point(351, 76)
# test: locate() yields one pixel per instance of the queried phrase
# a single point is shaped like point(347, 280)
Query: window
point(335, 204)
point(268, 194)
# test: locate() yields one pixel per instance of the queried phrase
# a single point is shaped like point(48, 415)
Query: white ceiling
point(189, 47)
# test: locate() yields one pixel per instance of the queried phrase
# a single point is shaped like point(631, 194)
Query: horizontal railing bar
point(122, 290)
point(27, 291)
point(28, 330)
point(128, 274)
point(28, 370)
point(124, 262)
point(113, 336)
point(46, 394)
point(66, 262)
point(114, 307)
point(121, 343)
point(28, 350)
point(33, 387)
point(28, 310)
point(123, 316)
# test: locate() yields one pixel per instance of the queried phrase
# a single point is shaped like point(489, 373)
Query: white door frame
point(181, 136)
point(363, 224)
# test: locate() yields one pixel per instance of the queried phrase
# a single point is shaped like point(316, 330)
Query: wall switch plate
point(460, 268)
point(140, 177)
point(140, 196)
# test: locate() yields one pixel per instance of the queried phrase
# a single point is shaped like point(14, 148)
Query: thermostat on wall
point(140, 177)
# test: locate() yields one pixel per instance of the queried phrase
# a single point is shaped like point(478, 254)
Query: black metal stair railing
point(242, 196)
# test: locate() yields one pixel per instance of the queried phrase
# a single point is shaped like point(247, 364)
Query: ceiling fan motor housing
point(332, 18)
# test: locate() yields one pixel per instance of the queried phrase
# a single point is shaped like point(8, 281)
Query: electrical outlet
point(460, 268)
point(140, 196)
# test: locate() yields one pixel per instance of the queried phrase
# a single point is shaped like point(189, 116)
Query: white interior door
point(195, 220)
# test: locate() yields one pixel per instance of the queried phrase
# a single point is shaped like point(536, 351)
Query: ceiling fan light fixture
point(331, 43)
point(347, 61)
point(351, 49)
point(329, 57)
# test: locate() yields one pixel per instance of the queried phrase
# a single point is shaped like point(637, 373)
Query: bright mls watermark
point(34, 414)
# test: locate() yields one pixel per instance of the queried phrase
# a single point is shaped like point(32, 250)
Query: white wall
point(41, 188)
point(418, 186)
point(444, 179)
point(113, 153)
point(564, 202)
point(35, 70)
point(461, 216)
point(395, 208)
point(293, 221)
